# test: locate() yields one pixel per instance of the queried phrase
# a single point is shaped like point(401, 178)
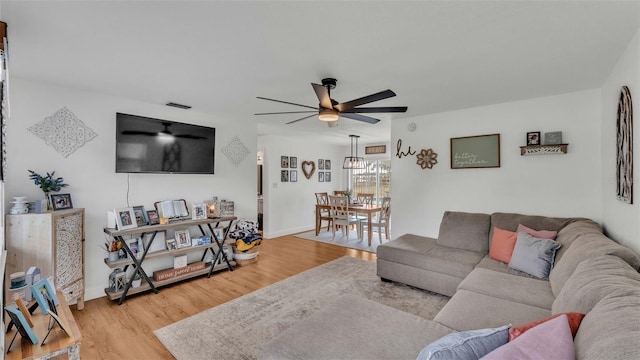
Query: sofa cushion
point(590, 243)
point(468, 310)
point(466, 231)
point(573, 318)
point(354, 328)
point(465, 345)
point(510, 221)
point(533, 255)
point(529, 291)
point(594, 279)
point(502, 244)
point(611, 329)
point(425, 253)
point(490, 264)
point(549, 340)
point(568, 234)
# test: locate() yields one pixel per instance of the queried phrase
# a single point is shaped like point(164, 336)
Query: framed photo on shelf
point(327, 164)
point(43, 292)
point(58, 321)
point(284, 162)
point(21, 324)
point(126, 218)
point(219, 233)
point(135, 245)
point(198, 211)
point(61, 201)
point(320, 164)
point(293, 175)
point(183, 239)
point(153, 217)
point(171, 244)
point(25, 312)
point(141, 215)
point(533, 138)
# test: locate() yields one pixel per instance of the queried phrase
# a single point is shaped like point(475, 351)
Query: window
point(375, 178)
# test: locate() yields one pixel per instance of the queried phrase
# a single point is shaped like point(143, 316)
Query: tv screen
point(148, 145)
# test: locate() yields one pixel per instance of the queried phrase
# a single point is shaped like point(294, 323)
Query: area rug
point(351, 242)
point(237, 329)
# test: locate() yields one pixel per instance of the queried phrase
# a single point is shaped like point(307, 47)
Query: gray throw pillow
point(466, 345)
point(534, 255)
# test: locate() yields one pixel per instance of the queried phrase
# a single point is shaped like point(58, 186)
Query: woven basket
point(246, 262)
point(250, 251)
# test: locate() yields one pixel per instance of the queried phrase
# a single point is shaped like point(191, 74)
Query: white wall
point(552, 185)
point(94, 185)
point(620, 220)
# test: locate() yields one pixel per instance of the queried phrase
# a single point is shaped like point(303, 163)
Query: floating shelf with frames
point(544, 149)
point(148, 283)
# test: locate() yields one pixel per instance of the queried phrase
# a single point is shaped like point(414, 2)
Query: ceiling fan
point(163, 133)
point(330, 110)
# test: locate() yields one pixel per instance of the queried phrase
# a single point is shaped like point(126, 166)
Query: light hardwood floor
point(112, 331)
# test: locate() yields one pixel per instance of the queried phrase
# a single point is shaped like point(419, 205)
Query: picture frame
point(171, 244)
point(327, 164)
point(61, 201)
point(21, 325)
point(153, 217)
point(198, 211)
point(42, 290)
point(25, 312)
point(327, 176)
point(136, 247)
point(213, 208)
point(59, 322)
point(182, 238)
point(284, 162)
point(321, 176)
point(533, 138)
point(219, 233)
point(125, 218)
point(284, 175)
point(293, 175)
point(472, 152)
point(375, 149)
point(141, 215)
point(320, 164)
point(553, 138)
point(293, 162)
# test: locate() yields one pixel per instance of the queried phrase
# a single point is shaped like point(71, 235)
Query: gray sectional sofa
point(591, 274)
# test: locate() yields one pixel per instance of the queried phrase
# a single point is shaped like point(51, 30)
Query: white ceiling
point(217, 56)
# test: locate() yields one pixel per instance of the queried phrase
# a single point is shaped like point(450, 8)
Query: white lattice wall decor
point(63, 131)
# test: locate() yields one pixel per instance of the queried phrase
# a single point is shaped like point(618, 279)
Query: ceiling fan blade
point(323, 96)
point(383, 109)
point(132, 132)
point(365, 100)
point(287, 112)
point(306, 117)
point(194, 137)
point(286, 102)
point(359, 117)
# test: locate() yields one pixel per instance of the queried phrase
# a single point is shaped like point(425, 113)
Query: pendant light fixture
point(353, 162)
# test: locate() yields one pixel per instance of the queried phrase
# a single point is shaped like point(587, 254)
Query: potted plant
point(137, 280)
point(47, 184)
point(113, 248)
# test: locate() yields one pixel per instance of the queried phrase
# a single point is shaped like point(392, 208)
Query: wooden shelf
point(145, 286)
point(544, 149)
point(161, 227)
point(157, 254)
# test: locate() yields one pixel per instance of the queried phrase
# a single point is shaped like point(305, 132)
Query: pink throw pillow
point(549, 340)
point(573, 318)
point(542, 234)
point(502, 244)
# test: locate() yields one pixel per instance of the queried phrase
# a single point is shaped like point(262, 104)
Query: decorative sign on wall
point(377, 149)
point(482, 151)
point(624, 155)
point(308, 168)
point(235, 151)
point(400, 153)
point(63, 131)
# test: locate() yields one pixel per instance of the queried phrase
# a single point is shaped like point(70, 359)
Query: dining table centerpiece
point(48, 184)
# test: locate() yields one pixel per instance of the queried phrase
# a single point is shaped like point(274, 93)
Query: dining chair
point(338, 193)
point(342, 216)
point(380, 221)
point(363, 199)
point(322, 198)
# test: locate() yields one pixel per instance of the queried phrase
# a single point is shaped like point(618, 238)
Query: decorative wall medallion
point(63, 131)
point(427, 158)
point(624, 155)
point(235, 151)
point(308, 168)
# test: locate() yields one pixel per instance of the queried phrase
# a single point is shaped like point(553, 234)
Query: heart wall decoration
point(308, 168)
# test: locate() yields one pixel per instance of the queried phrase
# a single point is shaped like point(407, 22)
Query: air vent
point(179, 106)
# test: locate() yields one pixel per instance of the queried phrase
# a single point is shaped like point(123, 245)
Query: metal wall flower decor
point(427, 158)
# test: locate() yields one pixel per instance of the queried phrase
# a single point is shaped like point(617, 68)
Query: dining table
point(370, 210)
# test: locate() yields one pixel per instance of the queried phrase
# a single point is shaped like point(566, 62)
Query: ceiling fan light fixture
point(328, 115)
point(353, 162)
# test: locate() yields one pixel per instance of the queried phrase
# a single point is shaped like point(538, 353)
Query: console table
point(148, 283)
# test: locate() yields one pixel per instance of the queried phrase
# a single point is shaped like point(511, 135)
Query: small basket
point(240, 262)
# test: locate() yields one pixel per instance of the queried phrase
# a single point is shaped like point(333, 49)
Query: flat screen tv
point(148, 145)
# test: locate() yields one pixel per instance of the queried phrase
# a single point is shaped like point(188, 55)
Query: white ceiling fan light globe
point(328, 115)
